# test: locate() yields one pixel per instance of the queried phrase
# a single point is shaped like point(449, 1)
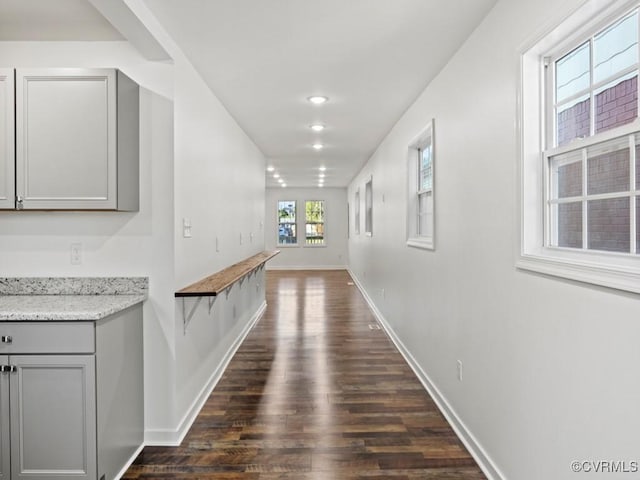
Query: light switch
point(76, 254)
point(186, 228)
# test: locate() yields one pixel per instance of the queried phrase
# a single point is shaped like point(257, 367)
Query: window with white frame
point(368, 207)
point(356, 208)
point(287, 222)
point(314, 222)
point(580, 139)
point(420, 221)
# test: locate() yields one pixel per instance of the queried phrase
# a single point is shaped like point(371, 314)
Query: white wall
point(195, 162)
point(549, 371)
point(334, 254)
point(220, 188)
point(114, 243)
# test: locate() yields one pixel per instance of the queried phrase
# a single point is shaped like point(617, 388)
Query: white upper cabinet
point(7, 153)
point(76, 140)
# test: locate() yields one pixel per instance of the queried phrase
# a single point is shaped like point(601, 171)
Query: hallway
point(314, 393)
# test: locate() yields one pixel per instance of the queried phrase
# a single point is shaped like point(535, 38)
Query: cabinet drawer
point(46, 337)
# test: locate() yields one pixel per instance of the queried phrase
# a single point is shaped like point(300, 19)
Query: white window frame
point(356, 213)
point(287, 245)
point(609, 269)
point(324, 225)
point(368, 207)
point(414, 153)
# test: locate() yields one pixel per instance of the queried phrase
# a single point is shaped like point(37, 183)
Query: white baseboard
point(129, 462)
point(174, 437)
point(468, 439)
point(306, 267)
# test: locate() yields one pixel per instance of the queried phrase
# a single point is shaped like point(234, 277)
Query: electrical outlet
point(76, 254)
point(240, 238)
point(217, 244)
point(459, 366)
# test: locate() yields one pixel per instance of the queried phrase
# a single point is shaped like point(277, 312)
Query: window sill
point(423, 243)
point(315, 246)
point(288, 245)
point(618, 277)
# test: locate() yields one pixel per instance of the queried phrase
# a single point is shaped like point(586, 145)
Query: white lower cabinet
point(71, 397)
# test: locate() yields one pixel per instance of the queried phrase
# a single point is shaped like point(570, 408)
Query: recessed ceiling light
point(322, 169)
point(317, 127)
point(317, 99)
point(270, 168)
point(321, 175)
point(276, 175)
point(280, 180)
point(321, 185)
point(318, 146)
point(284, 185)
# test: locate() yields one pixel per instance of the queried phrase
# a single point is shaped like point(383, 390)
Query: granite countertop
point(68, 299)
point(64, 307)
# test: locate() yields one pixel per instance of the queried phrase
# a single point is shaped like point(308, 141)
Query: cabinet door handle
point(19, 205)
point(13, 369)
point(6, 339)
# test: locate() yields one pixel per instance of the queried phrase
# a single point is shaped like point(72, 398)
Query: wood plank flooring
point(314, 394)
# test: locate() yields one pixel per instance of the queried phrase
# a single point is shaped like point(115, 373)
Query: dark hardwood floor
point(315, 394)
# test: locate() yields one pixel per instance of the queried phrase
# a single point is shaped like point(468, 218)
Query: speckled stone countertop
point(68, 299)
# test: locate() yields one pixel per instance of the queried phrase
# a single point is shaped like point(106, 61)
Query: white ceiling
point(53, 20)
point(263, 58)
point(372, 58)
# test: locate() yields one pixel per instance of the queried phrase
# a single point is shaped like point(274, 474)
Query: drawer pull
point(6, 339)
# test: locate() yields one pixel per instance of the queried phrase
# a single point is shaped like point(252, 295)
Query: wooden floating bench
point(222, 281)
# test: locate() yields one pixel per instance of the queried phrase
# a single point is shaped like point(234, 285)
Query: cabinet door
point(5, 451)
point(53, 419)
point(7, 151)
point(66, 138)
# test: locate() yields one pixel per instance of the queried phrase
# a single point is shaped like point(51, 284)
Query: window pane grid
point(287, 222)
point(635, 230)
point(605, 217)
point(425, 214)
point(424, 169)
point(314, 222)
point(596, 84)
point(593, 202)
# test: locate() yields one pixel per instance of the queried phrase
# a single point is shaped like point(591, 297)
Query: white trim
point(619, 271)
point(368, 207)
point(482, 458)
point(356, 212)
point(173, 437)
point(130, 461)
point(413, 215)
point(619, 278)
point(425, 243)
